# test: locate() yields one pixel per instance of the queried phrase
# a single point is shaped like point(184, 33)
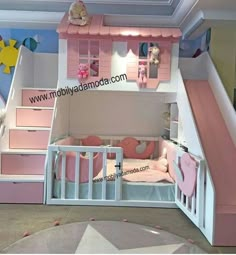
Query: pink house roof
point(97, 28)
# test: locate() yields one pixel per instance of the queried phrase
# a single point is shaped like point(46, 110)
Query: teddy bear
point(142, 76)
point(78, 14)
point(83, 71)
point(154, 53)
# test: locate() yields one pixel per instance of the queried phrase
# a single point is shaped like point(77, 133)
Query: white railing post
point(119, 169)
point(104, 173)
point(49, 176)
point(77, 175)
point(63, 176)
point(90, 184)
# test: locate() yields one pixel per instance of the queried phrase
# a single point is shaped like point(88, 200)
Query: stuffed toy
point(154, 53)
point(161, 164)
point(78, 14)
point(142, 76)
point(83, 71)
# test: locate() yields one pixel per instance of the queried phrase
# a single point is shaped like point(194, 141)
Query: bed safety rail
point(56, 166)
point(190, 188)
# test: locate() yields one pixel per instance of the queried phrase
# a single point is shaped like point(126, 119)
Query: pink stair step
point(38, 97)
point(28, 139)
point(33, 117)
point(26, 164)
point(21, 192)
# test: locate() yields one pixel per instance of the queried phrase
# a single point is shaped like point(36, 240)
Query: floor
point(17, 220)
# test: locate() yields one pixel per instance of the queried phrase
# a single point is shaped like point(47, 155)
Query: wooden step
point(22, 164)
point(29, 138)
point(34, 116)
point(38, 97)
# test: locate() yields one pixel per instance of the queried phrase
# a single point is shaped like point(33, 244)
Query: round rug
point(96, 237)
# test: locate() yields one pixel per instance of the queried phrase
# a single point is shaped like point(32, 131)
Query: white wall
point(118, 66)
point(119, 114)
point(45, 70)
point(23, 77)
point(193, 68)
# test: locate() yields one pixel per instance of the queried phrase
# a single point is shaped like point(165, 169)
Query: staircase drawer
point(22, 164)
point(46, 100)
point(33, 117)
point(21, 192)
point(28, 139)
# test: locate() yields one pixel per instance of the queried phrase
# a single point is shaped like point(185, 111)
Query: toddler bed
point(136, 180)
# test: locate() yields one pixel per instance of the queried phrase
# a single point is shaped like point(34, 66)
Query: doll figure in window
point(78, 14)
point(83, 71)
point(94, 66)
point(154, 54)
point(142, 76)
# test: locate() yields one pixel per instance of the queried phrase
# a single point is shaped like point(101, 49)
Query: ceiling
point(192, 16)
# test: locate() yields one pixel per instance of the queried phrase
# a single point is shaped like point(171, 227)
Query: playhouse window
point(144, 56)
point(89, 54)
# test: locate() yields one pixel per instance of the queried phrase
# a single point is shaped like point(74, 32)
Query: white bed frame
point(53, 149)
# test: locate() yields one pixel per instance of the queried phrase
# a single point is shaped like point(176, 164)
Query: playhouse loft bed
point(120, 126)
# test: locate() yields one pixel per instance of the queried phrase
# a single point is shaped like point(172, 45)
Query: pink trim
point(96, 27)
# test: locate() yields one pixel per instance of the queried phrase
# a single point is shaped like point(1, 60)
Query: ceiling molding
point(28, 19)
point(13, 3)
point(194, 24)
point(23, 17)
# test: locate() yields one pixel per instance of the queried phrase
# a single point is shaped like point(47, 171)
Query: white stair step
point(35, 107)
point(21, 178)
point(24, 151)
point(31, 128)
point(41, 89)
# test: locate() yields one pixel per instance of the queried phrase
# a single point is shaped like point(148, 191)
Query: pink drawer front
point(44, 98)
point(22, 164)
point(21, 192)
point(29, 139)
point(33, 117)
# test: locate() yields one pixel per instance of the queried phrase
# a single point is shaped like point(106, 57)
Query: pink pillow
point(92, 141)
point(129, 145)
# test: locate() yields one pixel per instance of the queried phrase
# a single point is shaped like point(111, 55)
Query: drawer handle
point(25, 155)
point(37, 109)
point(41, 90)
point(31, 130)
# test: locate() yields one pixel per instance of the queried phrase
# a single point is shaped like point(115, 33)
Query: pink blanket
point(147, 175)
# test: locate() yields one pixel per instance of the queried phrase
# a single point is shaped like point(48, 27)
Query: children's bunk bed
point(112, 151)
